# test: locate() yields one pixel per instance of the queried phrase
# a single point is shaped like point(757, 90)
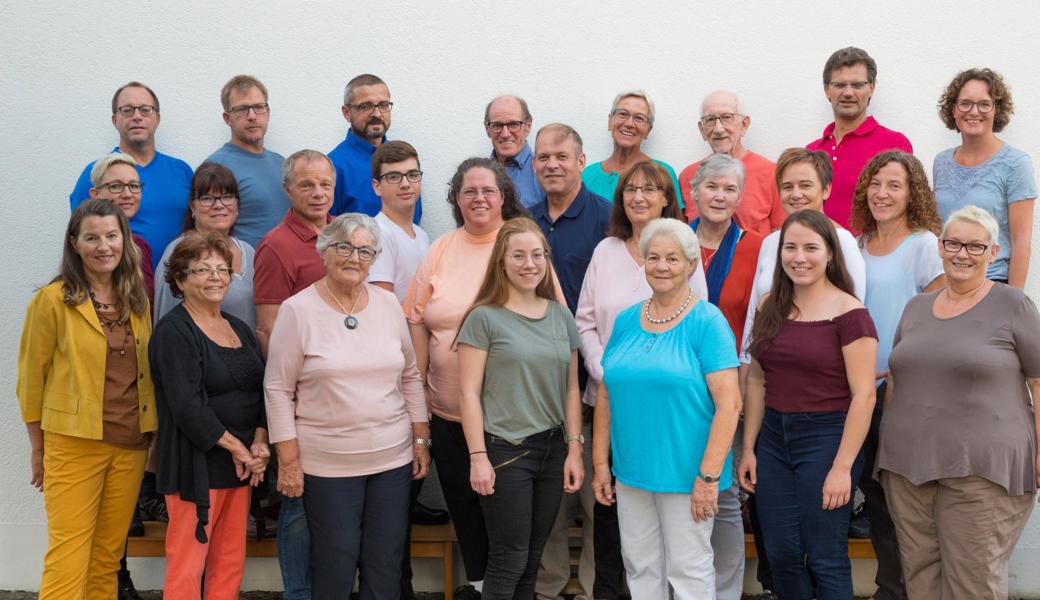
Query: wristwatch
point(580, 438)
point(709, 478)
point(422, 441)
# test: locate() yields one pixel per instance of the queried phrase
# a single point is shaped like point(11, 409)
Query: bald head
point(724, 122)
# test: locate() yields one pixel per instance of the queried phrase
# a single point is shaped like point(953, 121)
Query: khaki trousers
point(955, 535)
point(89, 491)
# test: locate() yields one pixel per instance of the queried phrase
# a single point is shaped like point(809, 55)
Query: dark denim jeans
point(521, 512)
point(451, 455)
point(294, 549)
point(795, 453)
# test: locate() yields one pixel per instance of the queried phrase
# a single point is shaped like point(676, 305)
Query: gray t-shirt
point(961, 406)
point(528, 362)
point(239, 298)
point(262, 200)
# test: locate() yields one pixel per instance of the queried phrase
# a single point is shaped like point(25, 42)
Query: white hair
point(973, 214)
point(344, 226)
point(736, 100)
point(682, 233)
point(636, 93)
point(719, 165)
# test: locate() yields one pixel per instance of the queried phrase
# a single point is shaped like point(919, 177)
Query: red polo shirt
point(759, 209)
point(286, 261)
point(848, 159)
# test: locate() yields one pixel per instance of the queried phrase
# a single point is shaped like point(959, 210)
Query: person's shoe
point(153, 509)
point(127, 591)
point(466, 592)
point(136, 525)
point(766, 595)
point(424, 515)
point(859, 525)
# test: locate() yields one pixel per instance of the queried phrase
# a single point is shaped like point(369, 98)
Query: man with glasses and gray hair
point(367, 107)
point(165, 179)
point(258, 171)
point(507, 122)
point(723, 124)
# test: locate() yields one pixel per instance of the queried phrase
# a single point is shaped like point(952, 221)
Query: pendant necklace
point(351, 322)
point(670, 317)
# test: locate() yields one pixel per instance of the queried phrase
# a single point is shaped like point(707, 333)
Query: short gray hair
point(306, 155)
point(103, 164)
point(525, 113)
point(736, 100)
point(719, 165)
point(344, 226)
point(636, 93)
point(973, 214)
point(682, 233)
point(359, 81)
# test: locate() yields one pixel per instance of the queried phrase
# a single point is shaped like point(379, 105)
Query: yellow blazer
point(61, 367)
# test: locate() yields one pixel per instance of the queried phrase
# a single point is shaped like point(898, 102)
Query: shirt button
point(144, 408)
point(141, 376)
point(552, 229)
point(835, 157)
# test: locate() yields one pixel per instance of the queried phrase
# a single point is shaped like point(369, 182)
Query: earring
point(193, 216)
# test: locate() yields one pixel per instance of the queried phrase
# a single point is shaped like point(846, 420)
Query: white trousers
point(661, 545)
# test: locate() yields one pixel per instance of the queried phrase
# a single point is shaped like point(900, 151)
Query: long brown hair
point(494, 291)
point(780, 303)
point(620, 226)
point(922, 213)
point(127, 281)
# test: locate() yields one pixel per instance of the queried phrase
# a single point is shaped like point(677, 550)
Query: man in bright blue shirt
point(507, 122)
point(262, 201)
point(165, 180)
point(366, 106)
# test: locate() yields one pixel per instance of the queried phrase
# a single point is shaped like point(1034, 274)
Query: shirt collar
point(521, 159)
point(301, 228)
point(573, 211)
point(865, 128)
point(360, 144)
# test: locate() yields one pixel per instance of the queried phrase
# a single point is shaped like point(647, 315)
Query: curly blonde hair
point(922, 212)
point(998, 90)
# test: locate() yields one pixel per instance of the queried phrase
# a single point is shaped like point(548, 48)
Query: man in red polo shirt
point(854, 137)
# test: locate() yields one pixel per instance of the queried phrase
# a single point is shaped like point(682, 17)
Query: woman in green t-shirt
point(521, 412)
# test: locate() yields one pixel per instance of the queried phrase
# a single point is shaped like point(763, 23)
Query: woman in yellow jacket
point(86, 397)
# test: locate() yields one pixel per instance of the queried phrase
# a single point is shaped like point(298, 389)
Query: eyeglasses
point(243, 109)
point(648, 189)
point(520, 258)
point(367, 107)
point(965, 106)
point(974, 249)
point(726, 118)
point(346, 249)
point(208, 201)
point(623, 115)
point(128, 110)
point(471, 193)
point(843, 85)
point(512, 126)
point(222, 272)
point(396, 176)
point(117, 187)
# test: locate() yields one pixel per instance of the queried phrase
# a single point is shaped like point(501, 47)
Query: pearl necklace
point(670, 317)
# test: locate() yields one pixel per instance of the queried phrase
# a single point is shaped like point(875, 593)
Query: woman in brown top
point(958, 452)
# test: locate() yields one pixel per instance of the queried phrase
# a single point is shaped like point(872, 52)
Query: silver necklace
point(670, 317)
point(351, 322)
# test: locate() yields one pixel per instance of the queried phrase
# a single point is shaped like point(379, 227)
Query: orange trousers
point(222, 559)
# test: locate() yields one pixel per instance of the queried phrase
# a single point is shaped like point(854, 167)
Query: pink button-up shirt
point(848, 159)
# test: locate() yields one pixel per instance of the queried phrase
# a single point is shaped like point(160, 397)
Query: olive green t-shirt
point(528, 361)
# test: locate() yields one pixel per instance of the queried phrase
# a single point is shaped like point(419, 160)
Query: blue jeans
point(795, 452)
point(294, 549)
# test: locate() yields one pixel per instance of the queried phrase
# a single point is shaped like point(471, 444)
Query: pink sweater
point(348, 397)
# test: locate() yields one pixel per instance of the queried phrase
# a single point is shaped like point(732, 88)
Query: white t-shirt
point(400, 257)
point(764, 278)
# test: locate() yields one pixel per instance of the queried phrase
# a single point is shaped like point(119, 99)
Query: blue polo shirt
point(353, 161)
point(164, 200)
point(262, 200)
point(573, 237)
point(520, 169)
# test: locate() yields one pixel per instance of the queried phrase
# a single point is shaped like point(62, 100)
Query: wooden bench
point(428, 541)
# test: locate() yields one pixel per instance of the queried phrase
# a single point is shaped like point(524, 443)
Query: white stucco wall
point(443, 61)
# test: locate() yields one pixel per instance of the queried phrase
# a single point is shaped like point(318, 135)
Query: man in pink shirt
point(723, 124)
point(854, 137)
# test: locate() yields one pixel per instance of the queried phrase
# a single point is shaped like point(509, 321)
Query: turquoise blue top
point(895, 278)
point(602, 183)
point(660, 406)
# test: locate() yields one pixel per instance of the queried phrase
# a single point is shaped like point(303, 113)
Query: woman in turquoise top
point(667, 409)
point(629, 123)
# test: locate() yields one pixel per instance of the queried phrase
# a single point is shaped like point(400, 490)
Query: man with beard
point(366, 106)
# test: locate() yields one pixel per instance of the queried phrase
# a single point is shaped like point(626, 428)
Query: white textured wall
point(443, 61)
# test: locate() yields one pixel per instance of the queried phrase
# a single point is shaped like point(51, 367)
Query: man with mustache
point(366, 106)
point(723, 124)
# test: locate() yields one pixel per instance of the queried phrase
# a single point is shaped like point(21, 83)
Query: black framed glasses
point(117, 187)
point(209, 200)
point(972, 248)
point(128, 110)
point(414, 176)
point(367, 107)
point(346, 249)
point(242, 110)
point(512, 126)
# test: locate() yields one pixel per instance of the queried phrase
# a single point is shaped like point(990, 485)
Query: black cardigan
point(188, 426)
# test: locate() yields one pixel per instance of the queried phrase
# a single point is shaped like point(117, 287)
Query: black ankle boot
point(127, 591)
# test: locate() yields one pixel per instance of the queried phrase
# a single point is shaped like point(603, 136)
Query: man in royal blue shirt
point(366, 106)
point(507, 122)
point(165, 180)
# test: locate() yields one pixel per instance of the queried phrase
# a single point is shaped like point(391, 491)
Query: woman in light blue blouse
point(630, 121)
point(984, 170)
point(667, 408)
point(213, 207)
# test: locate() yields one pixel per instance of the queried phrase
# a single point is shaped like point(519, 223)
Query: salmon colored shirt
point(759, 209)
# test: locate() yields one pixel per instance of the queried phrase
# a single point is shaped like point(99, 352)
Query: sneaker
point(153, 509)
point(466, 592)
point(766, 595)
point(859, 524)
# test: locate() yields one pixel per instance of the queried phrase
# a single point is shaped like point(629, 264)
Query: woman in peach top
point(482, 198)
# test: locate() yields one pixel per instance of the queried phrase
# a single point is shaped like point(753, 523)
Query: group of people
point(660, 346)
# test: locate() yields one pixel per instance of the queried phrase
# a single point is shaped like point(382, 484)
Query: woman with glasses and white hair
point(347, 414)
point(958, 450)
point(629, 122)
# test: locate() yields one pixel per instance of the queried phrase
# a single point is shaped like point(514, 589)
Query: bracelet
point(478, 452)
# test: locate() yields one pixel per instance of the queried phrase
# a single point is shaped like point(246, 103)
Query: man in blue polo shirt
point(574, 221)
point(507, 122)
point(262, 201)
point(366, 106)
point(165, 180)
